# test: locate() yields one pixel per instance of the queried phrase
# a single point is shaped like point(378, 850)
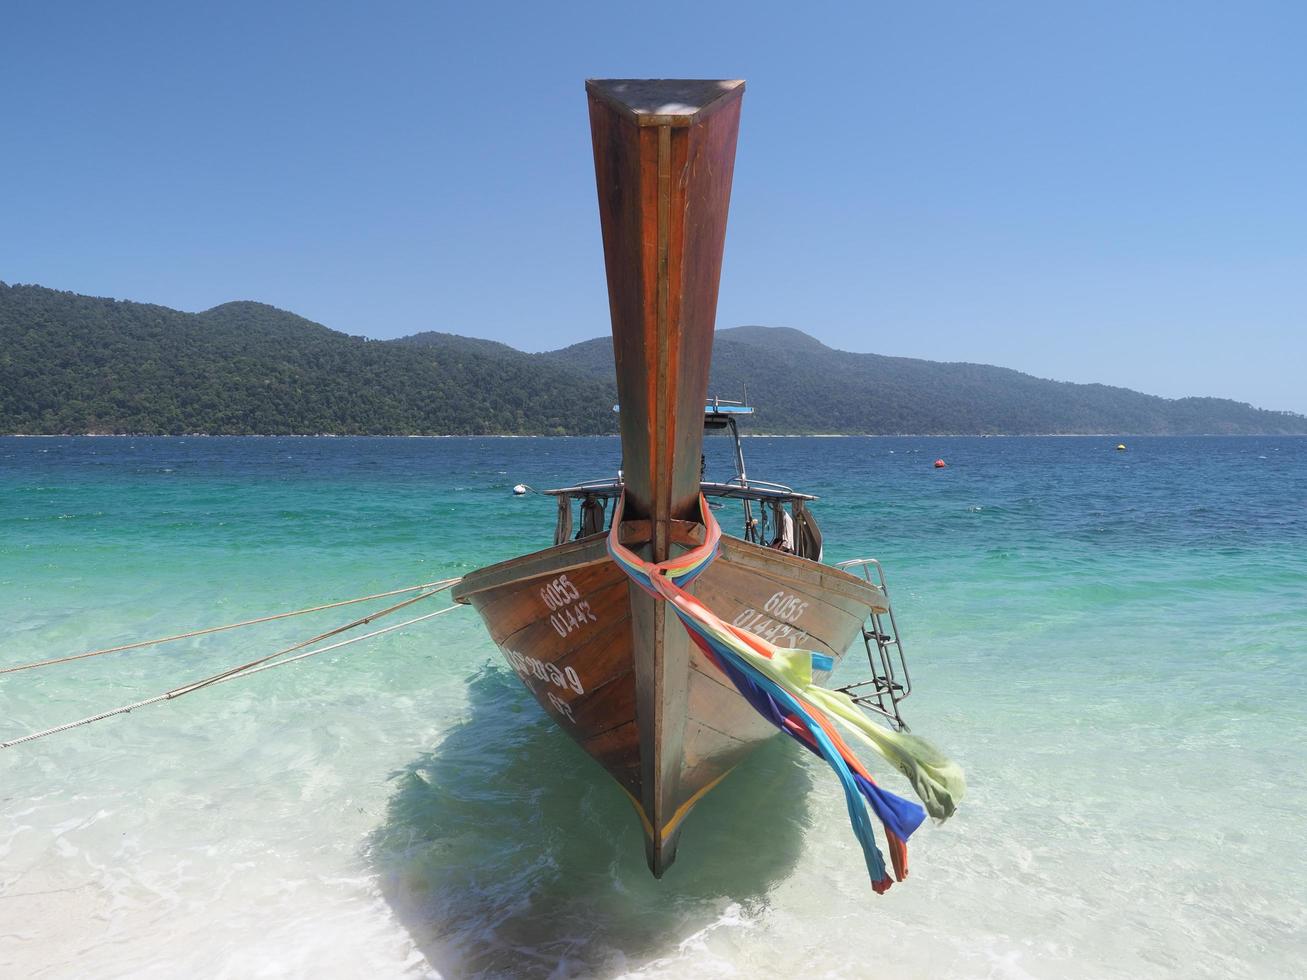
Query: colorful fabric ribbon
point(778, 683)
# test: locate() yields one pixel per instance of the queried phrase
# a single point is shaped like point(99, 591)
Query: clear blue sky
point(1099, 191)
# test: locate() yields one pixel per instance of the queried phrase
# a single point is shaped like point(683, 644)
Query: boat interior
point(771, 514)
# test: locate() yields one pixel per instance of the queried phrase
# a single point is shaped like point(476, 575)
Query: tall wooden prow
point(613, 667)
point(664, 155)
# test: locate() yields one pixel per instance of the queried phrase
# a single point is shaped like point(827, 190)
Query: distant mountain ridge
point(798, 384)
point(79, 364)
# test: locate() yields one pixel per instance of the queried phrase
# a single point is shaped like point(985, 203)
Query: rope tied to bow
point(778, 683)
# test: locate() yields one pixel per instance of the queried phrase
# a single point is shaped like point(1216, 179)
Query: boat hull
point(615, 669)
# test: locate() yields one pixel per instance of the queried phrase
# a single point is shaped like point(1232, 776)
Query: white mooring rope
point(442, 583)
point(266, 662)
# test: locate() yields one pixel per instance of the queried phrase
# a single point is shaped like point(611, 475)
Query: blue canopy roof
point(711, 409)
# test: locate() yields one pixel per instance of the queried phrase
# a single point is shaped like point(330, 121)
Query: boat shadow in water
point(507, 852)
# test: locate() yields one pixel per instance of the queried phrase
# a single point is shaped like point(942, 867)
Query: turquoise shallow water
point(1111, 643)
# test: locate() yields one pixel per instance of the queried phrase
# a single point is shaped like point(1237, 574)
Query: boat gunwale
point(765, 559)
point(593, 549)
point(589, 550)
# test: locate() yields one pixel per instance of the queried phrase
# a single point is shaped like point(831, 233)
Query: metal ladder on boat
point(890, 682)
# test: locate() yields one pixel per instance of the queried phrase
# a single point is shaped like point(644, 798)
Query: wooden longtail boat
point(610, 663)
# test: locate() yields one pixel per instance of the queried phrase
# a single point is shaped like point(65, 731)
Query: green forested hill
point(75, 364)
point(71, 363)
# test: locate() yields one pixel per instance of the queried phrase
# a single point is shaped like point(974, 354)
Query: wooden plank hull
point(579, 636)
point(611, 664)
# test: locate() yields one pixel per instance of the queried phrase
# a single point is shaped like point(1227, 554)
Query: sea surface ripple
point(1111, 643)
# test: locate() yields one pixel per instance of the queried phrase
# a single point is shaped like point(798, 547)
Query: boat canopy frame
point(770, 498)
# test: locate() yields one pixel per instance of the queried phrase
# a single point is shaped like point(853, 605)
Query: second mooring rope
point(265, 662)
point(442, 583)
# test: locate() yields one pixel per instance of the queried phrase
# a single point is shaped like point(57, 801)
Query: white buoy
point(519, 490)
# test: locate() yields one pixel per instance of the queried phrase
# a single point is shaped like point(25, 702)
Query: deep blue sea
point(1113, 644)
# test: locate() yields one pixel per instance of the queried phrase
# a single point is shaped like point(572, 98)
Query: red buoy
point(940, 464)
